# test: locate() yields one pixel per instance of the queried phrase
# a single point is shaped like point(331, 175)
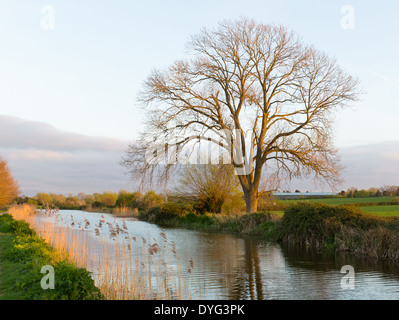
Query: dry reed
point(122, 268)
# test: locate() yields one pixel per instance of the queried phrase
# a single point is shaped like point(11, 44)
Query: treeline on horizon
point(137, 199)
point(106, 199)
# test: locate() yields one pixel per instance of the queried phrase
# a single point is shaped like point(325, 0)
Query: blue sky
point(83, 76)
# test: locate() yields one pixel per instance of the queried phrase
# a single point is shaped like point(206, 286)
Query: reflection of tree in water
point(252, 269)
point(245, 280)
point(243, 268)
point(234, 263)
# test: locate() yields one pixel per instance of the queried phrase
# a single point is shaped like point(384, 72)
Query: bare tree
point(210, 185)
point(9, 188)
point(256, 92)
point(389, 191)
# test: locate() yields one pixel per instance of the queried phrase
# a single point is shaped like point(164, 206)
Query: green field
point(370, 204)
point(382, 211)
point(338, 200)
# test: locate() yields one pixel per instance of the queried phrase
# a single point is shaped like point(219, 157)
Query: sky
point(70, 72)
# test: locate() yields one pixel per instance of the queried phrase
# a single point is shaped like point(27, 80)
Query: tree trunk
point(251, 200)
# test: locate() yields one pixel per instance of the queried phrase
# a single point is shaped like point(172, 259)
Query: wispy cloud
point(392, 83)
point(44, 158)
point(19, 133)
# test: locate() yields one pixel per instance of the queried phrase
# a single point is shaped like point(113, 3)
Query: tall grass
point(123, 266)
point(380, 242)
point(125, 212)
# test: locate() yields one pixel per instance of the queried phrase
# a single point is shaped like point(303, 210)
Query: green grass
point(382, 211)
point(22, 256)
point(5, 241)
point(278, 213)
point(338, 201)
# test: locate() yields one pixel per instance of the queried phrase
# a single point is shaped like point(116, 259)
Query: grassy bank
point(174, 215)
point(23, 254)
point(339, 227)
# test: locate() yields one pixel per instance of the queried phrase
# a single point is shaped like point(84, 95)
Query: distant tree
point(44, 198)
point(360, 193)
point(397, 191)
point(81, 196)
point(297, 191)
point(9, 188)
point(72, 200)
point(123, 198)
point(351, 192)
point(128, 199)
point(372, 192)
point(89, 199)
point(151, 199)
point(58, 199)
point(22, 199)
point(107, 198)
point(388, 191)
point(32, 201)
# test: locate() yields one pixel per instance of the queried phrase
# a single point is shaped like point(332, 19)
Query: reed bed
point(125, 212)
point(123, 267)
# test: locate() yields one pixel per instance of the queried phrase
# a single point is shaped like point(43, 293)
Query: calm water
point(226, 266)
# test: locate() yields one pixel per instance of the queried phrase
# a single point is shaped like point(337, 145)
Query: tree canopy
point(254, 91)
point(9, 188)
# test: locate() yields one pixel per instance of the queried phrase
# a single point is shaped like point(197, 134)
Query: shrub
point(21, 227)
point(193, 218)
point(6, 221)
point(129, 199)
point(209, 203)
point(73, 283)
point(151, 199)
point(28, 247)
point(234, 205)
point(164, 212)
point(306, 222)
